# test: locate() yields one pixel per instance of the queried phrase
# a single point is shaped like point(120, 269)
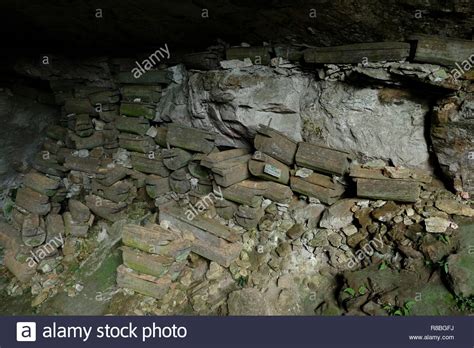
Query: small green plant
point(383, 266)
point(362, 290)
point(242, 281)
point(444, 238)
point(465, 303)
point(350, 291)
point(443, 264)
point(399, 311)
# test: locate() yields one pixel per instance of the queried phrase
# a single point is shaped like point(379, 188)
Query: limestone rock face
point(452, 134)
point(233, 102)
point(356, 120)
point(21, 119)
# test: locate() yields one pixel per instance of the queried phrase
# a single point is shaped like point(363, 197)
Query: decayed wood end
point(443, 51)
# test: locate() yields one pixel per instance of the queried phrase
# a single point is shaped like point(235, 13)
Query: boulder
point(339, 215)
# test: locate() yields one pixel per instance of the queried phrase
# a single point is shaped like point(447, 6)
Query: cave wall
point(23, 121)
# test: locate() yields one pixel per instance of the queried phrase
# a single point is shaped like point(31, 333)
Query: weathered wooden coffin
point(82, 164)
point(215, 158)
point(358, 53)
point(443, 51)
point(144, 94)
point(146, 263)
point(322, 159)
point(33, 201)
point(137, 110)
point(154, 239)
point(231, 171)
point(176, 158)
point(142, 283)
point(41, 183)
point(266, 167)
point(157, 186)
point(388, 189)
point(213, 241)
point(189, 138)
point(272, 190)
point(134, 125)
point(143, 163)
point(136, 143)
point(319, 186)
point(275, 144)
point(244, 194)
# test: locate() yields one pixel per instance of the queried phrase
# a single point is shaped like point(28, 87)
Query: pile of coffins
point(153, 258)
point(108, 153)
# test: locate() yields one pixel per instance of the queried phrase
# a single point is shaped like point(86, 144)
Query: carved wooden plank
point(357, 53)
point(322, 159)
point(392, 189)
